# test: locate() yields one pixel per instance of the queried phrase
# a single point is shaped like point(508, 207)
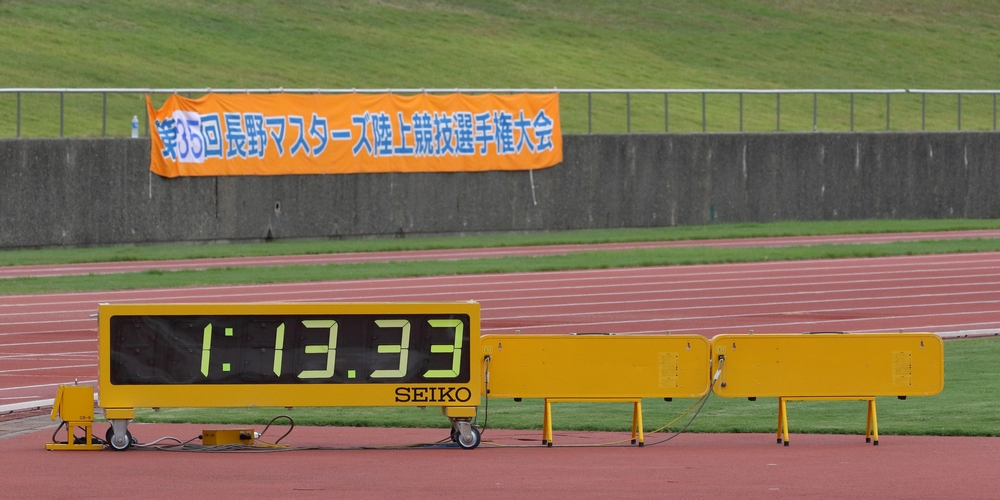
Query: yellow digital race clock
point(338, 354)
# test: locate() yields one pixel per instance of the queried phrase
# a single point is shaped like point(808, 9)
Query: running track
point(51, 338)
point(47, 339)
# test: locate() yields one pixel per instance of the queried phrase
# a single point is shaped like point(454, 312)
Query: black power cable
point(291, 426)
point(486, 407)
point(704, 399)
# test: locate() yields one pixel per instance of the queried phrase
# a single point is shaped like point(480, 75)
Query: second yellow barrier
point(830, 365)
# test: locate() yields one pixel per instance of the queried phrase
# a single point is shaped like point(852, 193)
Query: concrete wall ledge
point(86, 192)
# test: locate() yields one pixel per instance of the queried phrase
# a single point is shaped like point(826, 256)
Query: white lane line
point(50, 332)
point(43, 308)
point(21, 370)
point(722, 300)
point(25, 355)
point(40, 386)
point(50, 322)
point(628, 311)
point(49, 342)
point(671, 323)
point(39, 403)
point(983, 332)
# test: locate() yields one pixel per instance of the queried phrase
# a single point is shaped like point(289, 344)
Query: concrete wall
point(79, 192)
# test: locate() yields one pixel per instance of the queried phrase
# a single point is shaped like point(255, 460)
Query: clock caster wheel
point(118, 446)
point(455, 435)
point(471, 442)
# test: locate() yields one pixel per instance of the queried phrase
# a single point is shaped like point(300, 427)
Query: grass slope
point(507, 43)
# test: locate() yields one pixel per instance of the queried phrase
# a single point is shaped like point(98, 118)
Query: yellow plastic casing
point(829, 365)
point(74, 403)
point(596, 366)
point(124, 397)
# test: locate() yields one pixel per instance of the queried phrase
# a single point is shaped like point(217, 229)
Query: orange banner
point(278, 134)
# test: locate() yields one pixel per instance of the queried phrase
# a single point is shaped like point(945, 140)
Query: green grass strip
point(311, 247)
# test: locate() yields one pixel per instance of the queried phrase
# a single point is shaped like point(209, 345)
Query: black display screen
point(290, 349)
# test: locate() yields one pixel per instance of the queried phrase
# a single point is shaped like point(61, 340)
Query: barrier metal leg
point(637, 422)
point(868, 424)
point(634, 423)
point(873, 421)
point(871, 426)
point(784, 418)
point(638, 435)
point(547, 424)
point(781, 412)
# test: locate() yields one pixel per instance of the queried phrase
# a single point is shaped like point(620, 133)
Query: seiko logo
point(432, 395)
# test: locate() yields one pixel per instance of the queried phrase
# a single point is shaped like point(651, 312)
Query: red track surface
point(48, 339)
point(691, 466)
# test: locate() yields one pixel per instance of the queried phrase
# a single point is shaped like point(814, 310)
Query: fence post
point(887, 111)
point(814, 111)
point(704, 119)
point(960, 111)
point(628, 103)
point(923, 111)
point(666, 112)
point(778, 111)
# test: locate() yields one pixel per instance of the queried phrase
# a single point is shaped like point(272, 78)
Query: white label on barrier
point(668, 369)
point(902, 368)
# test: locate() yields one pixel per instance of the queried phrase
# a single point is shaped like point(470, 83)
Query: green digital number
point(279, 343)
point(330, 349)
point(206, 348)
point(402, 348)
point(455, 349)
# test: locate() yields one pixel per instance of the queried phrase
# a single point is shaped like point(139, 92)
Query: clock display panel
point(415, 348)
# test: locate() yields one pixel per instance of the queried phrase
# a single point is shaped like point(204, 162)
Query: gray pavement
point(17, 426)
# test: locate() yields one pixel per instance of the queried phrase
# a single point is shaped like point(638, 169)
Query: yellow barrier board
point(341, 354)
point(596, 366)
point(829, 365)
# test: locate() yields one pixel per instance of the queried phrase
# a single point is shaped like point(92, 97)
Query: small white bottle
point(135, 127)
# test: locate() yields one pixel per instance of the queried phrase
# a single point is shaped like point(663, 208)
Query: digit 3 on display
point(237, 355)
